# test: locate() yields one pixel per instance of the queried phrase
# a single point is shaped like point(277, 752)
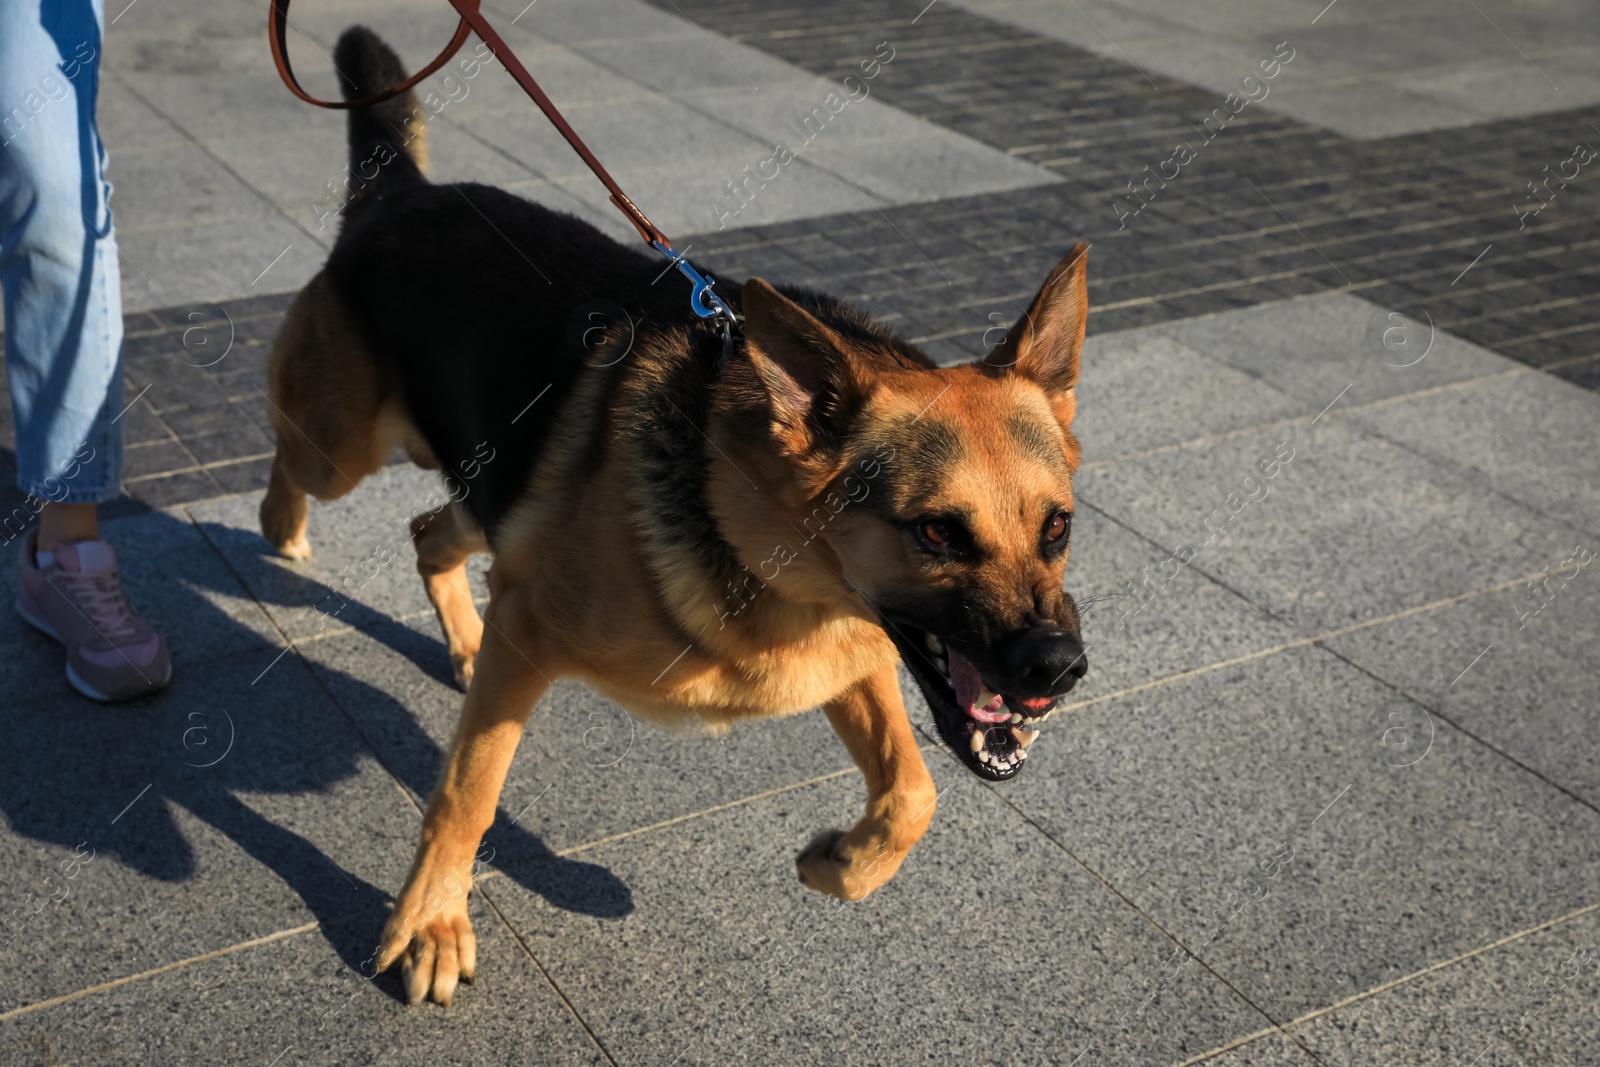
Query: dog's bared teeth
point(976, 744)
point(1023, 738)
point(943, 665)
point(1015, 717)
point(1022, 753)
point(935, 645)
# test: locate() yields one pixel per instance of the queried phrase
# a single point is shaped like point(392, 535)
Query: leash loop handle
point(277, 38)
point(472, 21)
point(703, 300)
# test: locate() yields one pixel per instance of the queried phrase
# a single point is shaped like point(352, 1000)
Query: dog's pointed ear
point(813, 383)
point(1043, 345)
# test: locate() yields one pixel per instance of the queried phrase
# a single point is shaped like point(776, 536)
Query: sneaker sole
point(26, 609)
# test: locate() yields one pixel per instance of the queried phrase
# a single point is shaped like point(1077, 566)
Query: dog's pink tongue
point(969, 687)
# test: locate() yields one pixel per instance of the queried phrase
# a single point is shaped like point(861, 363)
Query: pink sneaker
point(74, 595)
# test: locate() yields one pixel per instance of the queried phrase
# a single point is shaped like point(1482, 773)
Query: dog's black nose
point(1044, 662)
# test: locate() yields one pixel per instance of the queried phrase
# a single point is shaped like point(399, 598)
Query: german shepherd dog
point(693, 536)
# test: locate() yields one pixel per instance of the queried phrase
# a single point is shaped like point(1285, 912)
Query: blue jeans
point(58, 253)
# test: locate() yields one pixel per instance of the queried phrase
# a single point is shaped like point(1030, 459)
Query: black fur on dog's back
point(466, 294)
point(470, 299)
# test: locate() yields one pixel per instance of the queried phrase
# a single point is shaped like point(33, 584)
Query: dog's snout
point(1045, 662)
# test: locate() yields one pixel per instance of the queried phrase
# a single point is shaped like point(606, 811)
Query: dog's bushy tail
point(390, 137)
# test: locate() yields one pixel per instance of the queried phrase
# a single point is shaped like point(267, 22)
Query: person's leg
point(58, 254)
point(63, 332)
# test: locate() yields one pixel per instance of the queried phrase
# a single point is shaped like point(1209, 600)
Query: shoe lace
point(100, 598)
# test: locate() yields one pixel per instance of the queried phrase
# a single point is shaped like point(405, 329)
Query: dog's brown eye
point(1057, 527)
point(935, 533)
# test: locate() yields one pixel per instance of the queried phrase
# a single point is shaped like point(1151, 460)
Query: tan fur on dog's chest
point(783, 681)
point(610, 626)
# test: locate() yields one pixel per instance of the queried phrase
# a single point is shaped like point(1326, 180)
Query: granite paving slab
point(989, 946)
point(209, 261)
point(1146, 617)
point(1487, 65)
point(179, 185)
point(1273, 1050)
point(1318, 347)
point(304, 176)
point(236, 804)
point(1521, 1002)
point(1529, 437)
point(1349, 529)
point(301, 999)
point(1143, 390)
point(363, 567)
point(1256, 813)
point(1514, 667)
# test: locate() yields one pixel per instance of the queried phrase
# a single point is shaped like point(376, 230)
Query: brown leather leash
point(704, 301)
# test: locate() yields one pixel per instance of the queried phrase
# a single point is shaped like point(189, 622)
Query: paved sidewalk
point(1370, 70)
point(1331, 794)
point(232, 185)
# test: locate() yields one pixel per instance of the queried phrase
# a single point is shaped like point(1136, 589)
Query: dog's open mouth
point(989, 732)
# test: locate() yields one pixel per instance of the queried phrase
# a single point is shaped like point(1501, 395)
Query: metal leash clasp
point(703, 299)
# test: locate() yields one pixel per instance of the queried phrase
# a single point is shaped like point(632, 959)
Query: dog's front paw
point(431, 936)
point(823, 869)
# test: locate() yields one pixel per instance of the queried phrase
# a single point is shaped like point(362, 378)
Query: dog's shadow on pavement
point(224, 748)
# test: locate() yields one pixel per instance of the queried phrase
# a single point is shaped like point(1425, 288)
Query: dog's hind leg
point(331, 410)
point(871, 721)
point(444, 540)
point(429, 926)
point(284, 512)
